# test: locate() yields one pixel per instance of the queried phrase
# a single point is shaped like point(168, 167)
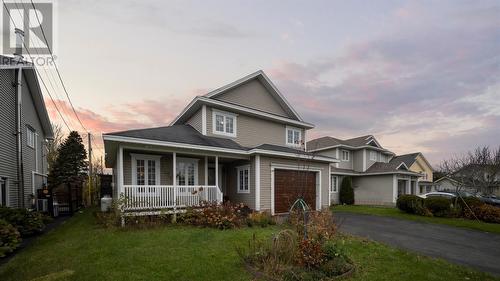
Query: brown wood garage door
point(290, 185)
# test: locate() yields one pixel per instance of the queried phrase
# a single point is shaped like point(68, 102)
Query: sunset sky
point(419, 75)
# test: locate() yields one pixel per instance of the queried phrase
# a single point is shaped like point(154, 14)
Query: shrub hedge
point(27, 222)
point(9, 238)
point(438, 206)
point(410, 204)
point(484, 212)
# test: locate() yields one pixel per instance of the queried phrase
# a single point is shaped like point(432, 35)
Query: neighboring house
point(24, 129)
point(243, 142)
point(417, 163)
point(450, 184)
point(378, 176)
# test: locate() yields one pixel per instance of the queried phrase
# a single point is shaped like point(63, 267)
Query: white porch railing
point(155, 197)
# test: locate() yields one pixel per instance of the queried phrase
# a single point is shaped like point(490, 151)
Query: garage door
point(290, 185)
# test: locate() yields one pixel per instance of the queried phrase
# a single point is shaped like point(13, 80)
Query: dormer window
point(293, 136)
point(224, 123)
point(373, 156)
point(345, 155)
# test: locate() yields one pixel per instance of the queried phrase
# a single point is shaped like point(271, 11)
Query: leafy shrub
point(484, 212)
point(310, 254)
point(337, 266)
point(346, 194)
point(410, 204)
point(9, 238)
point(221, 216)
point(320, 225)
point(261, 219)
point(467, 203)
point(27, 222)
point(438, 206)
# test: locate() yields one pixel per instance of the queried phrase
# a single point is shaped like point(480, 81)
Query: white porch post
point(206, 170)
point(120, 171)
point(408, 188)
point(217, 171)
point(257, 182)
point(174, 177)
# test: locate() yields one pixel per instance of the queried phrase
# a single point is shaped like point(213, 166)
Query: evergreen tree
point(71, 164)
point(346, 195)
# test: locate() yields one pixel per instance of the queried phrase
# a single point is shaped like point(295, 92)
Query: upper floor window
point(243, 179)
point(345, 155)
point(30, 137)
point(383, 158)
point(293, 136)
point(224, 123)
point(373, 155)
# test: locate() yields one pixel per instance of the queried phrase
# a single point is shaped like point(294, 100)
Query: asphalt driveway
point(477, 249)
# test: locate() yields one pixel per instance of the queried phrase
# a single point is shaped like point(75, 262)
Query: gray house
point(24, 129)
point(378, 175)
point(243, 142)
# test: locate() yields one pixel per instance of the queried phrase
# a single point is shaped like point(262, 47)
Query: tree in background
point(53, 146)
point(346, 194)
point(70, 164)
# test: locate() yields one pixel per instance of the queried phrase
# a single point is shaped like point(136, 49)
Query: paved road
point(467, 247)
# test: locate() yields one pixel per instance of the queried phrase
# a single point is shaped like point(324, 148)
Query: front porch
point(151, 181)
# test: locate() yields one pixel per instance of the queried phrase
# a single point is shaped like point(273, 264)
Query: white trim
point(206, 170)
point(394, 188)
point(195, 173)
point(364, 160)
point(216, 149)
point(238, 183)
point(174, 170)
point(224, 115)
point(146, 157)
point(351, 147)
point(36, 152)
point(293, 129)
point(329, 184)
point(278, 166)
point(248, 78)
point(348, 155)
point(374, 174)
point(337, 156)
point(243, 109)
point(336, 186)
point(257, 182)
point(204, 120)
point(372, 139)
point(217, 171)
point(30, 136)
point(120, 170)
point(402, 164)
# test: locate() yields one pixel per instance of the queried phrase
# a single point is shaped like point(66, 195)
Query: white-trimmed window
point(145, 169)
point(373, 156)
point(345, 155)
point(243, 181)
point(334, 188)
point(383, 158)
point(224, 123)
point(293, 136)
point(30, 137)
point(187, 171)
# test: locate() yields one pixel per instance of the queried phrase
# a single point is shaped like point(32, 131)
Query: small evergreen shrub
point(346, 194)
point(438, 206)
point(26, 222)
point(9, 238)
point(410, 204)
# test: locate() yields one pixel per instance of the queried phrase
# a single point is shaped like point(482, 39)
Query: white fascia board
point(352, 147)
point(215, 149)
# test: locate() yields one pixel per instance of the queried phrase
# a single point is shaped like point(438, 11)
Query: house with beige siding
point(243, 142)
point(378, 175)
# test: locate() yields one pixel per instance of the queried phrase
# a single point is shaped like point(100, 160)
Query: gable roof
point(31, 77)
point(328, 142)
point(411, 158)
point(185, 136)
point(394, 166)
point(210, 99)
point(267, 83)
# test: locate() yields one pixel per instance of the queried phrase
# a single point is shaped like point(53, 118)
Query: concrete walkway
point(480, 250)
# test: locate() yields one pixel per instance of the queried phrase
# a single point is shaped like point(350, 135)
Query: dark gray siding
point(7, 133)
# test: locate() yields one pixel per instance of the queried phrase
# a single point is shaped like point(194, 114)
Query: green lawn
point(81, 250)
point(396, 213)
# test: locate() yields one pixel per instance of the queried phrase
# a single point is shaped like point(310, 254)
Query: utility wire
point(36, 70)
point(57, 69)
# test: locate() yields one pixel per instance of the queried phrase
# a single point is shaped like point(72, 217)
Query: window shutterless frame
point(224, 123)
point(293, 136)
point(243, 179)
point(345, 155)
point(334, 188)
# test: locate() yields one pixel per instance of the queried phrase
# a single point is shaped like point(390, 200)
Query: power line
point(57, 69)
point(41, 79)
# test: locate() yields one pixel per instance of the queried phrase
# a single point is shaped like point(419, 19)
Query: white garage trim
point(275, 166)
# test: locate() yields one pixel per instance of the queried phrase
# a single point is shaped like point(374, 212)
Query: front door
point(401, 187)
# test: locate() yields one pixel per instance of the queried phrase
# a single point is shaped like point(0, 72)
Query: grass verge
point(394, 212)
point(81, 250)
